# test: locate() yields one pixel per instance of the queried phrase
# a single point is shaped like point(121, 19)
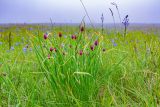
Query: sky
point(72, 11)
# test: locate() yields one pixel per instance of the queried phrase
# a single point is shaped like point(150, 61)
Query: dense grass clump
point(70, 67)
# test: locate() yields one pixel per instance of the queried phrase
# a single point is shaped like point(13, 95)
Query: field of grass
point(69, 68)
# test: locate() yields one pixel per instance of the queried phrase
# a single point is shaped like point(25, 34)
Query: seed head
point(92, 47)
point(60, 34)
point(70, 46)
point(104, 50)
point(82, 29)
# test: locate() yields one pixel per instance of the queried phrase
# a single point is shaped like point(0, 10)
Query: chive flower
point(51, 49)
point(81, 52)
point(96, 43)
point(45, 36)
point(74, 37)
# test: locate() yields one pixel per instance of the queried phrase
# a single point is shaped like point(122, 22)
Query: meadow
point(68, 66)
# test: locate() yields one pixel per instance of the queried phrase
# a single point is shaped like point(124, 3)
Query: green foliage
point(125, 74)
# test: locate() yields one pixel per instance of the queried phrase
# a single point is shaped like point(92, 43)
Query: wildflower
point(81, 52)
point(113, 41)
point(96, 43)
point(51, 49)
point(49, 56)
point(74, 37)
point(65, 36)
point(17, 43)
point(25, 49)
point(30, 29)
point(45, 36)
point(125, 23)
point(115, 44)
point(92, 47)
point(60, 34)
point(12, 48)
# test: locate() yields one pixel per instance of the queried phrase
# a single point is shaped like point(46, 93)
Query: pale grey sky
point(36, 11)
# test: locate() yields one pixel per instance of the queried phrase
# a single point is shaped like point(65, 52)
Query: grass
point(120, 71)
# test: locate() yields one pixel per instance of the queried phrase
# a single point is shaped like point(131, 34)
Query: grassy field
point(65, 67)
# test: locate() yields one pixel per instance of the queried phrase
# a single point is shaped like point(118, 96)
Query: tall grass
point(126, 74)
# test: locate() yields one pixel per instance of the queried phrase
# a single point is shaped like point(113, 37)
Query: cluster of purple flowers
point(73, 37)
point(126, 21)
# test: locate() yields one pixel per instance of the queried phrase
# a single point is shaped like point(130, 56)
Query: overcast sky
point(66, 11)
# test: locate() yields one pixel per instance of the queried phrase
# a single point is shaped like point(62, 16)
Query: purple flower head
point(126, 21)
point(74, 37)
point(17, 43)
point(12, 48)
point(81, 52)
point(51, 49)
point(96, 43)
point(24, 49)
point(115, 44)
point(45, 36)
